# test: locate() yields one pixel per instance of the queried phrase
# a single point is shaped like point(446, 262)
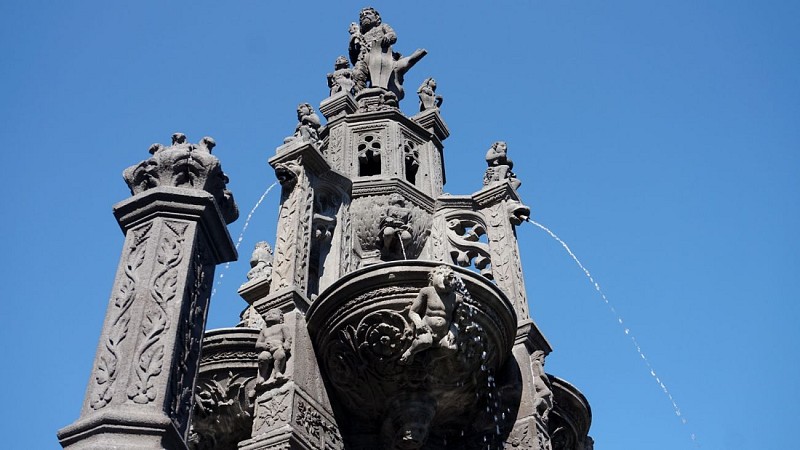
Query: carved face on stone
point(341, 63)
point(443, 279)
point(303, 109)
point(369, 18)
point(397, 200)
point(273, 316)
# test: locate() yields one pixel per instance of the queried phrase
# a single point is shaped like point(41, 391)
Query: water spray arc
point(625, 329)
point(241, 235)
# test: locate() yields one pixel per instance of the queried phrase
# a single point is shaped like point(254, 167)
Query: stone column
point(291, 407)
point(500, 206)
point(141, 390)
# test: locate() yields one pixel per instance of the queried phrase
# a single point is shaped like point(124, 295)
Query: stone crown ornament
point(184, 165)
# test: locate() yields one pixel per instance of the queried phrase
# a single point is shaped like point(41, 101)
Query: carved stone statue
point(260, 262)
point(431, 314)
point(308, 124)
point(543, 395)
point(342, 78)
point(275, 342)
point(427, 95)
point(372, 56)
point(499, 166)
point(395, 229)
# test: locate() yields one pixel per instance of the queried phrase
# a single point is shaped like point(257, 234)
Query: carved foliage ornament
point(272, 411)
point(291, 244)
point(316, 426)
point(365, 361)
point(106, 370)
point(506, 266)
point(223, 411)
point(149, 355)
point(191, 328)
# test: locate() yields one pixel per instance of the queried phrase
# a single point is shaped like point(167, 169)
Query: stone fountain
point(388, 316)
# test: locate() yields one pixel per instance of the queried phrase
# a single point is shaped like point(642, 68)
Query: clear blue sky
point(659, 139)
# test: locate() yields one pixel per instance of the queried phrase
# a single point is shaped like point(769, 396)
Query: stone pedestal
point(338, 105)
point(292, 412)
point(140, 393)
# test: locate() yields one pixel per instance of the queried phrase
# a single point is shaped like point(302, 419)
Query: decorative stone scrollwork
point(465, 236)
point(187, 166)
point(106, 371)
point(293, 240)
point(188, 356)
point(149, 357)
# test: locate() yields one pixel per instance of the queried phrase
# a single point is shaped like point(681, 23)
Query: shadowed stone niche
point(409, 348)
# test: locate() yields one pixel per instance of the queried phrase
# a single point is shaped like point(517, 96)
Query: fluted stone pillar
point(141, 389)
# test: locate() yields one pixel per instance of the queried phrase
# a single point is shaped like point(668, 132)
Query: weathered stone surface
point(184, 165)
point(377, 353)
point(427, 95)
point(147, 359)
point(390, 316)
point(223, 411)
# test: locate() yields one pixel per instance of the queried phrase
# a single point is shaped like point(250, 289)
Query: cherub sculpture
point(308, 124)
point(500, 166)
point(431, 314)
point(341, 79)
point(275, 342)
point(260, 262)
point(427, 95)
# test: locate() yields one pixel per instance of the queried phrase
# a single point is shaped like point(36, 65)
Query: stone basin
point(361, 330)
